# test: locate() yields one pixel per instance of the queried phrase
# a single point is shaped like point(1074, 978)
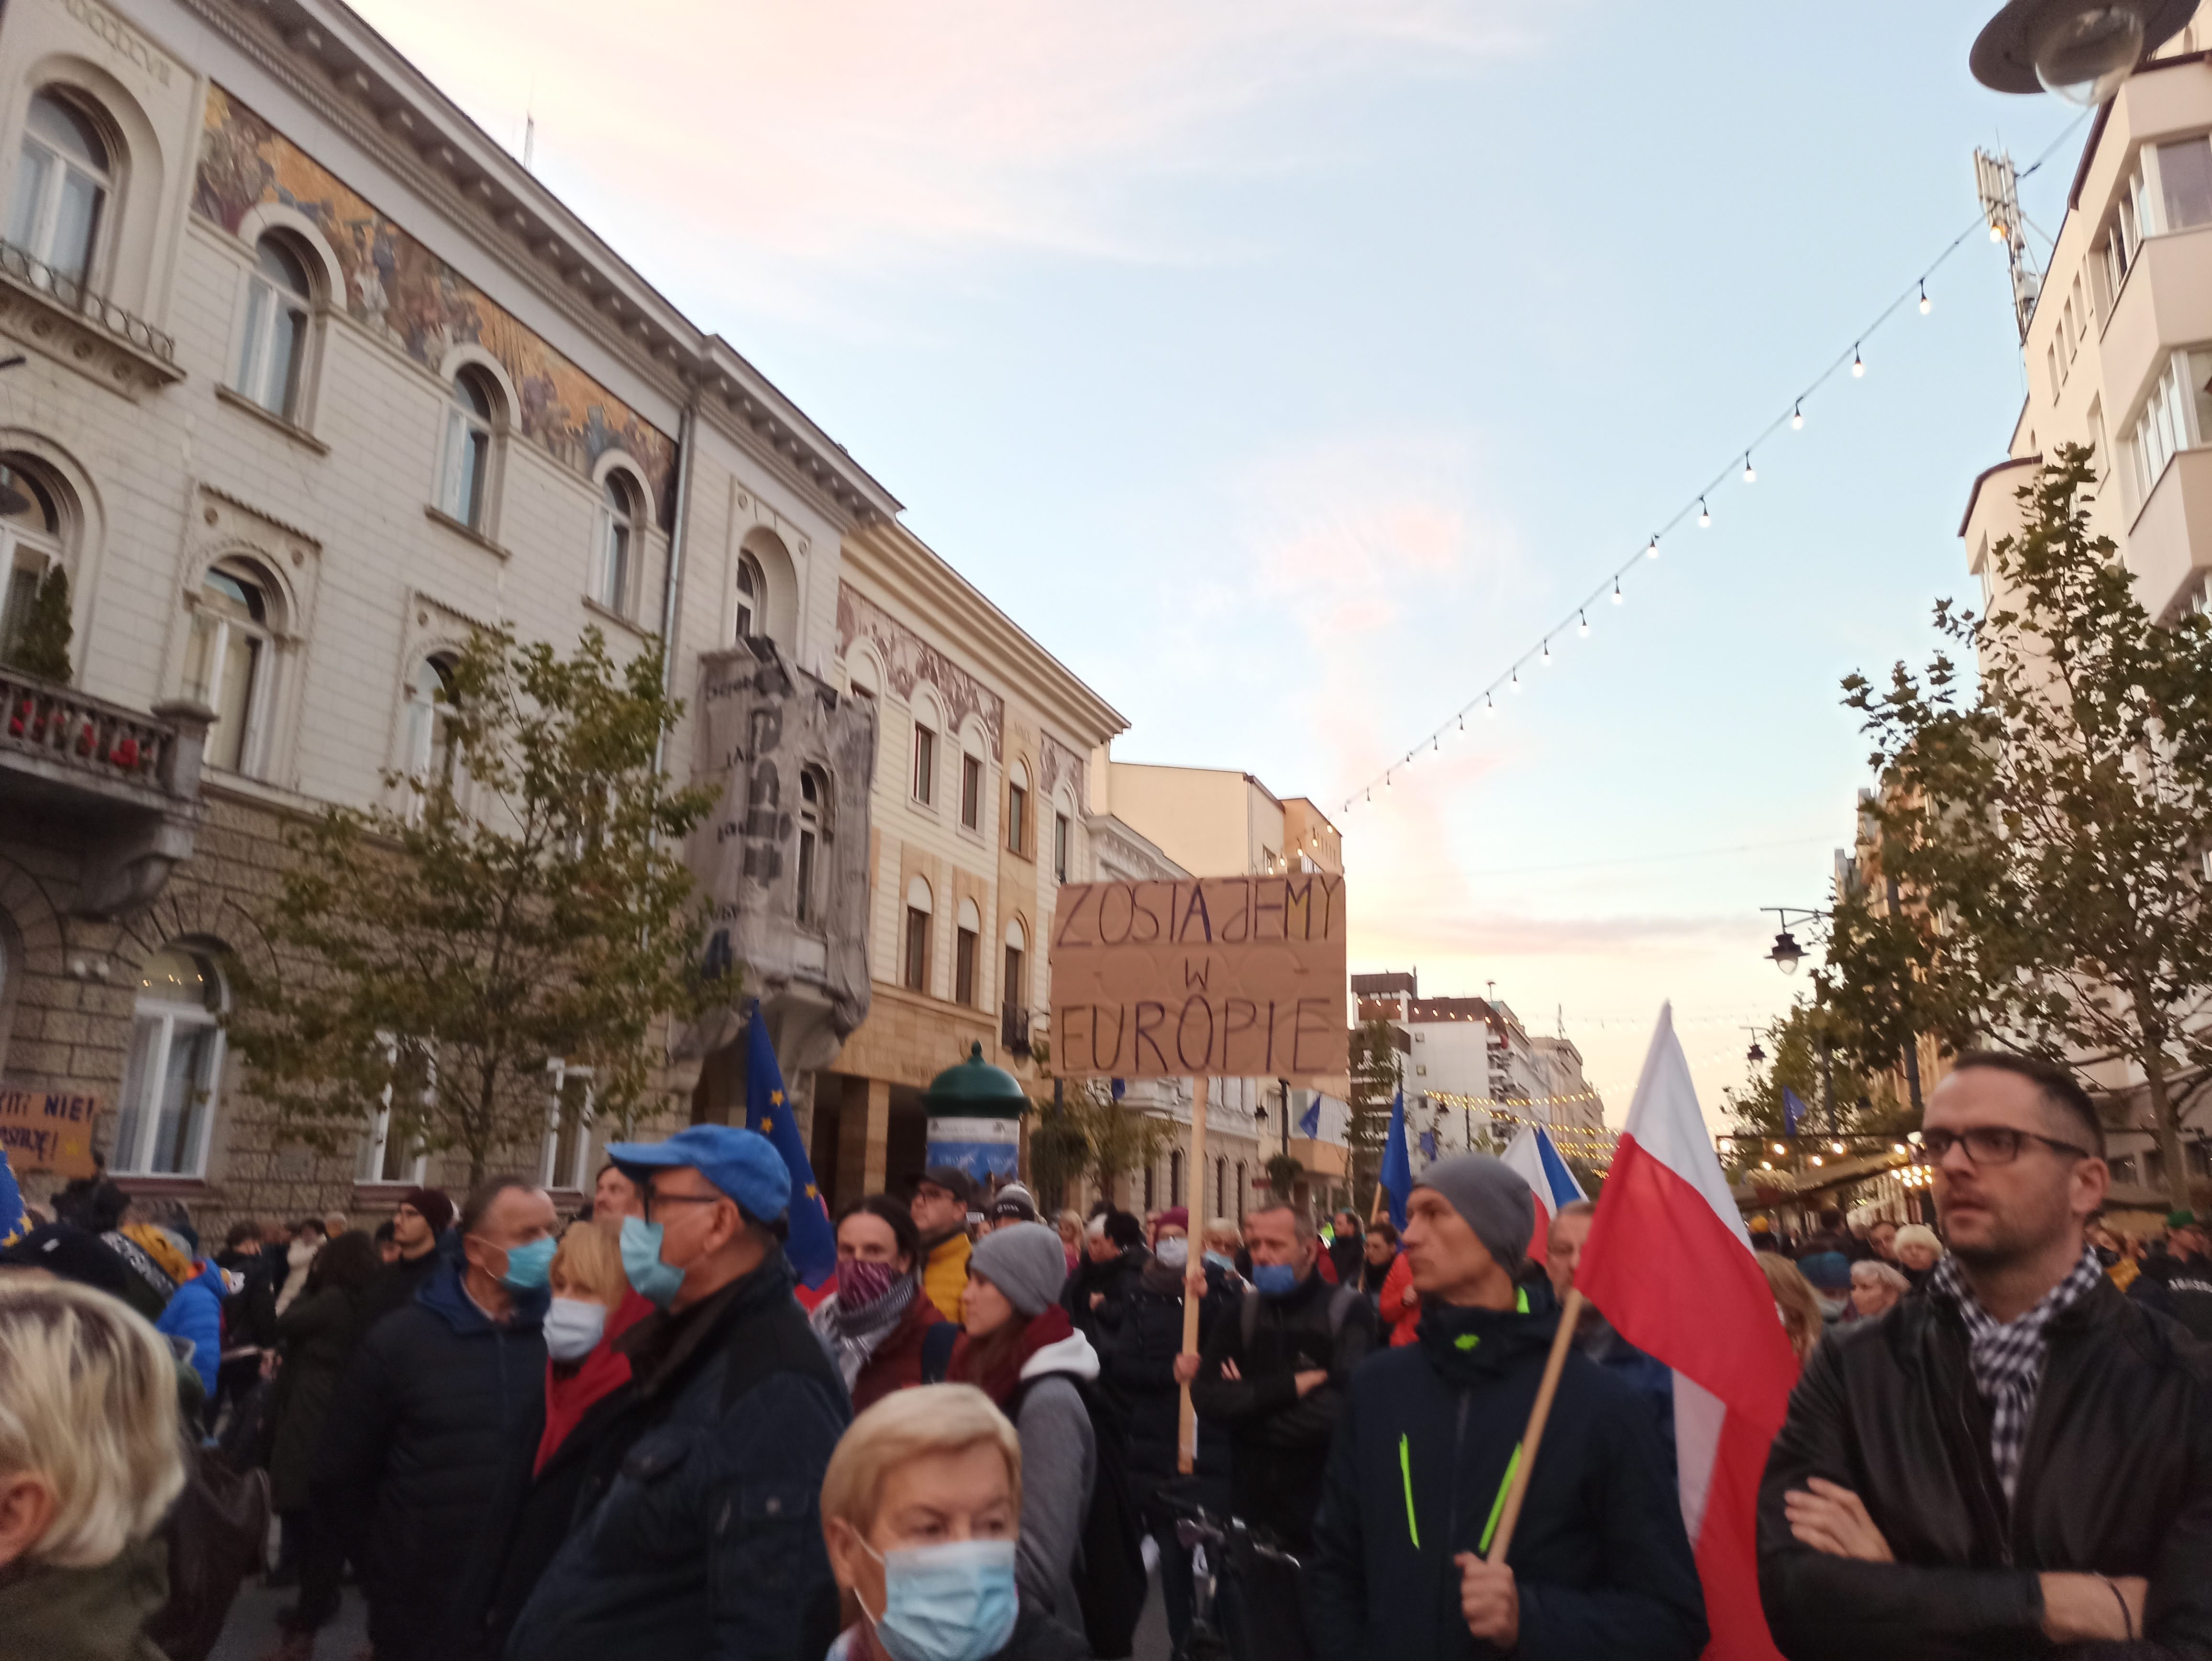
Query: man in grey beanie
point(1428, 1439)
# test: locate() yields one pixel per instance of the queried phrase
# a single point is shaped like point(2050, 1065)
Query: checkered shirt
point(2007, 1357)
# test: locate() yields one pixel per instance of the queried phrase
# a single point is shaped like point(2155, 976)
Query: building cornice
point(886, 557)
point(326, 55)
point(1974, 492)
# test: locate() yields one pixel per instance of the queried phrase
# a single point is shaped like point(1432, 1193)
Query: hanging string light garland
point(1853, 358)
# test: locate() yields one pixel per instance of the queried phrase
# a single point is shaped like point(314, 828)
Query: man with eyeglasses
point(2016, 1458)
point(699, 1532)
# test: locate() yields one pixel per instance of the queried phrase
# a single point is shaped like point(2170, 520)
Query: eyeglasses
point(652, 1199)
point(1991, 1144)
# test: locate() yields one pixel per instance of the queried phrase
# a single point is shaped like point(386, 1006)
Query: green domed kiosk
point(974, 1119)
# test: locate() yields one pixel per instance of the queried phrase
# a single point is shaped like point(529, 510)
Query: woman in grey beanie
point(1022, 1351)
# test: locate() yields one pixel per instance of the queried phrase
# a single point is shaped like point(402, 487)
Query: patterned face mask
point(861, 1284)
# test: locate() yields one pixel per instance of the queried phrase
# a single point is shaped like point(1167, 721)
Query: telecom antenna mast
point(1998, 185)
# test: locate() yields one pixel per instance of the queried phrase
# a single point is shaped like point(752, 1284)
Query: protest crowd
point(1506, 1422)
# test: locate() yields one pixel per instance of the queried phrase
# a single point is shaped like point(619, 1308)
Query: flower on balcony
point(125, 753)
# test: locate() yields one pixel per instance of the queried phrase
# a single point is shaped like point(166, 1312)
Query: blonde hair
point(1795, 1297)
point(590, 1258)
point(1917, 1234)
point(87, 1400)
point(906, 1425)
point(1223, 1228)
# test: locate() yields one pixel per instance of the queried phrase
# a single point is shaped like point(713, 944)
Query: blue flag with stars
point(812, 1246)
point(15, 1221)
point(1397, 1174)
point(1793, 1111)
point(1309, 1124)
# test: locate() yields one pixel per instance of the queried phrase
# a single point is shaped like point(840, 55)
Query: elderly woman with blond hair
point(1876, 1288)
point(90, 1460)
point(921, 1506)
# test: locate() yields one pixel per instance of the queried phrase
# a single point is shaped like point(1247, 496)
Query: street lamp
point(2080, 50)
point(1786, 953)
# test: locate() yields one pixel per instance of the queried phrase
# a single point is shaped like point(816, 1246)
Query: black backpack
point(1109, 1574)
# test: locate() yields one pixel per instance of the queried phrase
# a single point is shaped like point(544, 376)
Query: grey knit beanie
point(1025, 1261)
point(1492, 1197)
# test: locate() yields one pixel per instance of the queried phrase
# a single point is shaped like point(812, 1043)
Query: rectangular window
point(169, 1094)
point(2164, 426)
point(2184, 178)
point(925, 763)
point(1060, 840)
point(963, 967)
point(971, 793)
point(1018, 814)
point(1016, 990)
point(806, 906)
point(917, 950)
point(2051, 366)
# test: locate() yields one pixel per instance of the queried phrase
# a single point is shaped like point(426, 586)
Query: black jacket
point(249, 1315)
point(2116, 1479)
point(1281, 1439)
point(1140, 1368)
point(1113, 1280)
point(413, 1447)
point(699, 1530)
point(1599, 1558)
point(2179, 1287)
point(318, 1331)
point(1349, 1253)
point(394, 1286)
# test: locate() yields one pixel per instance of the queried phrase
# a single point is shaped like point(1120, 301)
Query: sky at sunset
point(1288, 368)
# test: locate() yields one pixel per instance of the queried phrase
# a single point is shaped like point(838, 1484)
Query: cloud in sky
point(860, 132)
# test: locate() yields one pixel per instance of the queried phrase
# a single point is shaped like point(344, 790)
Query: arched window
point(1240, 1193)
point(228, 660)
point(963, 953)
point(62, 185)
point(1018, 809)
point(30, 544)
point(1016, 986)
point(430, 759)
point(917, 935)
point(752, 597)
point(813, 838)
point(176, 1064)
point(272, 346)
point(618, 522)
point(1175, 1176)
point(466, 481)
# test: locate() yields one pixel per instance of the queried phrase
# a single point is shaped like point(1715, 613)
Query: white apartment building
point(2119, 354)
point(317, 379)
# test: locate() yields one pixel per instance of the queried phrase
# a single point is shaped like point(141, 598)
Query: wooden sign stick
point(1503, 1542)
point(1187, 1422)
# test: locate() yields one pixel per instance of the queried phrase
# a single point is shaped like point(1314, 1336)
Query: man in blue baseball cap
point(699, 1531)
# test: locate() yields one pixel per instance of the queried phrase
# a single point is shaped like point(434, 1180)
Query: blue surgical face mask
point(574, 1327)
point(1274, 1280)
point(1222, 1261)
point(950, 1603)
point(527, 1265)
point(640, 1256)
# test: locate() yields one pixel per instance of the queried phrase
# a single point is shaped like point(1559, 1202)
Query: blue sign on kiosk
point(974, 1119)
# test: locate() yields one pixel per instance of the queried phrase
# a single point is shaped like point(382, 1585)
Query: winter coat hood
point(1072, 1355)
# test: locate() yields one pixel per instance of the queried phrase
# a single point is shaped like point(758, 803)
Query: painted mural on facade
point(398, 290)
point(909, 659)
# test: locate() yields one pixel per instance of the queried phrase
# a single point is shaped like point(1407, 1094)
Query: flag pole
point(1187, 1415)
point(1532, 1437)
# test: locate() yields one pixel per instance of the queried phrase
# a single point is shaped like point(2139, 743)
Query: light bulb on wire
point(1547, 654)
point(1926, 304)
point(1616, 591)
point(1516, 678)
point(1489, 707)
point(1797, 418)
point(1858, 364)
point(1750, 473)
point(1705, 515)
point(1585, 616)
point(1651, 547)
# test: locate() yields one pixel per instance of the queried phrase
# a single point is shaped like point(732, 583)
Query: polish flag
point(1670, 1264)
point(1537, 1163)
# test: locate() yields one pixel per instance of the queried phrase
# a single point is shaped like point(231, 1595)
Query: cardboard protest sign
point(48, 1129)
point(1239, 978)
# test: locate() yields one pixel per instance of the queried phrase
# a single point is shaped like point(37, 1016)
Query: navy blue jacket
point(1600, 1561)
point(413, 1446)
point(699, 1531)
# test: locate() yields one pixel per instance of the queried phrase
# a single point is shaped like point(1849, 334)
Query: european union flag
point(15, 1221)
point(1310, 1120)
point(812, 1246)
point(1793, 1111)
point(1428, 1144)
point(1397, 1169)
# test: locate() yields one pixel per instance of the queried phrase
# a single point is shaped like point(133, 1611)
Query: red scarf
point(598, 1375)
point(1003, 1379)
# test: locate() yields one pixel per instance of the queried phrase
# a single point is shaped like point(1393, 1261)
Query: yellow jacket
point(944, 1274)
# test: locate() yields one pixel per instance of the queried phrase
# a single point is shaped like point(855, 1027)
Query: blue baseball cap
point(743, 1164)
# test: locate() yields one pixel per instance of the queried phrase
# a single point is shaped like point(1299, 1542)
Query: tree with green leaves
point(2054, 822)
point(524, 903)
point(1862, 1103)
point(41, 645)
point(1090, 1135)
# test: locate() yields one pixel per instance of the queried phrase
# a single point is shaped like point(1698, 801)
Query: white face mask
point(572, 1326)
point(1173, 1252)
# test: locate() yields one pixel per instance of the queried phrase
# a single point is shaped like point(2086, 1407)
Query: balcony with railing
point(47, 307)
point(1014, 1029)
point(127, 782)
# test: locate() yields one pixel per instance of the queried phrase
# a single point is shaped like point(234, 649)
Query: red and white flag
point(1536, 1161)
point(1670, 1264)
